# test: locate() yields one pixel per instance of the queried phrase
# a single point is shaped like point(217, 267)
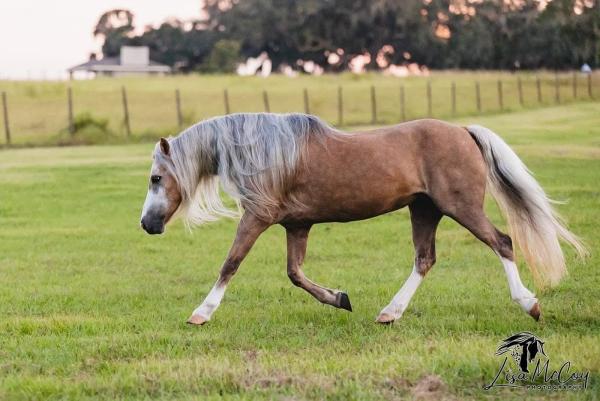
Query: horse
point(295, 170)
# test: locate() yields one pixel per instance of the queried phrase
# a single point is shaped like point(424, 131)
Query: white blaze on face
point(156, 198)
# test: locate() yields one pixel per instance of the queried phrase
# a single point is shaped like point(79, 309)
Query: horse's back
point(430, 135)
point(426, 145)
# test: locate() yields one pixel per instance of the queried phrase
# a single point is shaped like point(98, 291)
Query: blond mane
point(251, 156)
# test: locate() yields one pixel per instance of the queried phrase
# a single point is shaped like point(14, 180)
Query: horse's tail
point(534, 224)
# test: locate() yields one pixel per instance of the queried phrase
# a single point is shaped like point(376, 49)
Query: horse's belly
point(348, 203)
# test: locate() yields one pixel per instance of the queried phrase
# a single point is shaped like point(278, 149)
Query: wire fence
point(60, 113)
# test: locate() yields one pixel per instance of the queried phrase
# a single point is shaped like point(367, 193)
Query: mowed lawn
point(93, 308)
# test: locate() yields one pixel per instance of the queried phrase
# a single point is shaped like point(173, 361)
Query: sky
point(40, 39)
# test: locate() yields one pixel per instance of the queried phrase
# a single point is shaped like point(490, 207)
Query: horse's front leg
point(249, 229)
point(297, 239)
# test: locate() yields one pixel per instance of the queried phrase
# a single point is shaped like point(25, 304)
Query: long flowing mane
point(252, 155)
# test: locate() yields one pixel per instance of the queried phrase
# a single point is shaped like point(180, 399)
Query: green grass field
point(93, 308)
point(38, 110)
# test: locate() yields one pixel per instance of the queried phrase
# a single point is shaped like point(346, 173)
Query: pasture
point(38, 112)
point(93, 308)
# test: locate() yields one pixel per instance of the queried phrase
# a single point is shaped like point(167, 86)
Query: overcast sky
point(42, 38)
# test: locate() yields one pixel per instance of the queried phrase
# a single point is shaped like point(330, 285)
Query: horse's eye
point(155, 179)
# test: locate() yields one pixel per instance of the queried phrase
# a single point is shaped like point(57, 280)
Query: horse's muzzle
point(153, 225)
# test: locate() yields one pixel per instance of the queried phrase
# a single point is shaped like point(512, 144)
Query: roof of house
point(113, 64)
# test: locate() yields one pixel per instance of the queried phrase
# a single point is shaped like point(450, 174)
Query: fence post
point(429, 105)
point(520, 89)
point(453, 91)
point(178, 108)
point(306, 104)
point(5, 112)
point(266, 101)
point(574, 85)
point(70, 110)
point(478, 96)
point(226, 100)
point(556, 89)
point(538, 84)
point(125, 111)
point(589, 83)
point(402, 104)
point(373, 106)
point(500, 97)
point(340, 106)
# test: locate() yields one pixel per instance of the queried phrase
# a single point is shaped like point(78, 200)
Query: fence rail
point(39, 121)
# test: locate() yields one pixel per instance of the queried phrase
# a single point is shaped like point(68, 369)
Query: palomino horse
point(294, 170)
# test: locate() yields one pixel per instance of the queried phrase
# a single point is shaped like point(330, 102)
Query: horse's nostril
point(143, 225)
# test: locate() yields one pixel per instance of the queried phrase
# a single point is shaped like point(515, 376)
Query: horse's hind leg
point(297, 238)
point(425, 217)
point(474, 219)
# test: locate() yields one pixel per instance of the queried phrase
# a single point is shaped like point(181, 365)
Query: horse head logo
point(524, 347)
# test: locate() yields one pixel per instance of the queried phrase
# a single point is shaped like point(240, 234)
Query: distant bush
point(87, 130)
point(224, 57)
point(86, 122)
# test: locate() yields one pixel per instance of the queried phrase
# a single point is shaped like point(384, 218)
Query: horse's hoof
point(344, 301)
point(196, 320)
point(384, 318)
point(535, 312)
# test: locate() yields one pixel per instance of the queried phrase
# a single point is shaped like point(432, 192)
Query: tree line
point(441, 34)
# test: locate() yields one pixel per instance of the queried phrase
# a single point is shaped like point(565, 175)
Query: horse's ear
point(164, 146)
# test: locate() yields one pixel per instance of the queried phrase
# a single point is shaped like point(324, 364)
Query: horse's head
point(163, 198)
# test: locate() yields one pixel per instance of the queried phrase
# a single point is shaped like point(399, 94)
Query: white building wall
point(135, 55)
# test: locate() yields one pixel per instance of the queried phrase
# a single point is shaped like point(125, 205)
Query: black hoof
point(344, 301)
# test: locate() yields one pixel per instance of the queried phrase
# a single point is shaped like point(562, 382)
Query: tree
point(114, 26)
point(489, 34)
point(224, 57)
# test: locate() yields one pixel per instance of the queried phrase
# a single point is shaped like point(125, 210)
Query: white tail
point(534, 224)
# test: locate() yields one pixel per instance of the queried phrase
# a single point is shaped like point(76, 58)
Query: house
point(132, 60)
